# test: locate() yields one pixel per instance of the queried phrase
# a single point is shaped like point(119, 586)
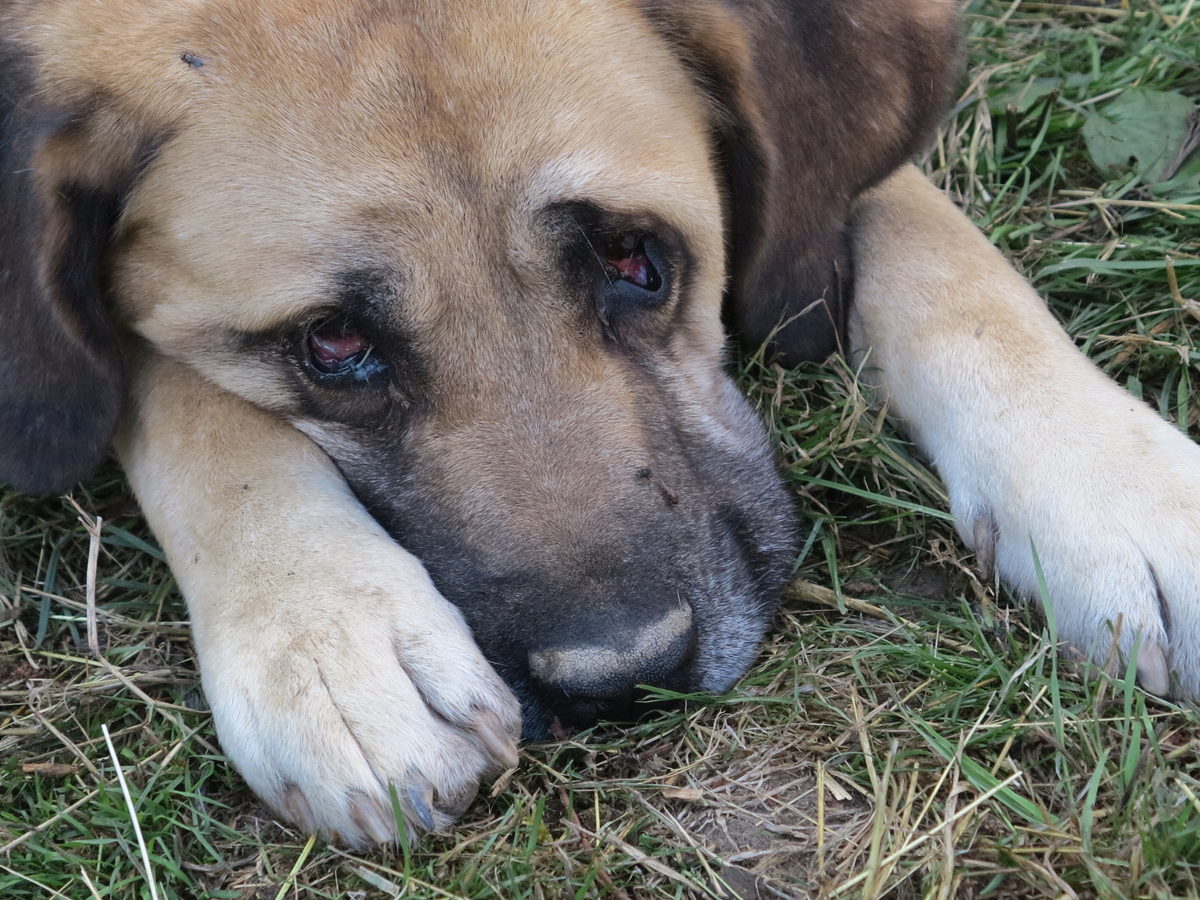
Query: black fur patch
point(60, 384)
point(836, 95)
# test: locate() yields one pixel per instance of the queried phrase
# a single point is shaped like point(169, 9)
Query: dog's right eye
point(627, 264)
point(335, 349)
point(627, 259)
point(636, 275)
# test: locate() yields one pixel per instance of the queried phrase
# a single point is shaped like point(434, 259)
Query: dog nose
point(650, 653)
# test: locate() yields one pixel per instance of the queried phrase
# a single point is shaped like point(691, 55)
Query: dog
point(407, 320)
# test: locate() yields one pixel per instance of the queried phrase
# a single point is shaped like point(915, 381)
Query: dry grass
point(925, 742)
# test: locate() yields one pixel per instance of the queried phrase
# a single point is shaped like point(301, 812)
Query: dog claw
point(370, 817)
point(985, 543)
point(420, 800)
point(495, 739)
point(294, 806)
point(1153, 674)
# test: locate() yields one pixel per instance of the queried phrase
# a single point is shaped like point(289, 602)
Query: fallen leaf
point(1147, 130)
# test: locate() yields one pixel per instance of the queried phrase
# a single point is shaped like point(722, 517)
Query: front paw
point(324, 702)
point(1111, 503)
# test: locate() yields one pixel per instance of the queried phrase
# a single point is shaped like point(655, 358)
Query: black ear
point(814, 101)
point(60, 366)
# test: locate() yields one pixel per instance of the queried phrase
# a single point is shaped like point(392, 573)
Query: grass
point(908, 730)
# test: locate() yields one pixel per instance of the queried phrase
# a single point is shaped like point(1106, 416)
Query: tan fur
point(1040, 451)
point(306, 616)
point(287, 578)
point(397, 137)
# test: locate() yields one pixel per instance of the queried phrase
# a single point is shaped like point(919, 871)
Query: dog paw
point(1108, 496)
point(328, 698)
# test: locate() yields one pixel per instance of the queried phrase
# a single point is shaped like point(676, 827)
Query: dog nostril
point(651, 655)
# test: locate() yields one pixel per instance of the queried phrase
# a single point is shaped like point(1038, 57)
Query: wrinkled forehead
point(425, 125)
point(496, 104)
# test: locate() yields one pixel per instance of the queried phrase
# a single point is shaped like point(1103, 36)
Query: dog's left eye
point(627, 259)
point(335, 348)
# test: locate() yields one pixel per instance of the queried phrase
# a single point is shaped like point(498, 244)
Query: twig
point(1187, 9)
point(1162, 206)
point(91, 887)
point(799, 589)
point(1173, 283)
point(1066, 8)
point(820, 816)
point(93, 530)
point(1008, 14)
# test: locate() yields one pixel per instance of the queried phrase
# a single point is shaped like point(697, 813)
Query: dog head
point(478, 252)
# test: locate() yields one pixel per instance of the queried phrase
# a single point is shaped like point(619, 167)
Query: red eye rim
point(627, 260)
point(333, 347)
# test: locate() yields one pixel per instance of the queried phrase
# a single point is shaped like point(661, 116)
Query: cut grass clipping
point(908, 730)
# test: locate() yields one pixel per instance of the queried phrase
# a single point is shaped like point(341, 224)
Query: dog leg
point(1037, 447)
point(333, 666)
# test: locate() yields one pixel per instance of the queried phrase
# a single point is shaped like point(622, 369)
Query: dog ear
point(61, 184)
point(813, 102)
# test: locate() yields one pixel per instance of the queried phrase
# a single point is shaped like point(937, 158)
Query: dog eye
point(335, 348)
point(626, 258)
